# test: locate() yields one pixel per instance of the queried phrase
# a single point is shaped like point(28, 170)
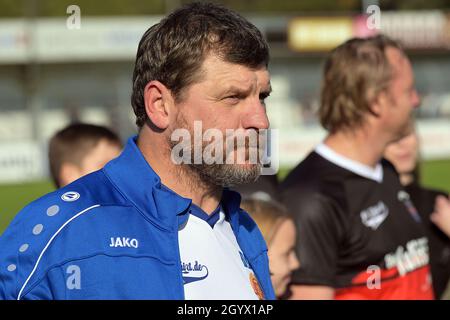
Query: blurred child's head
point(279, 232)
point(403, 154)
point(80, 149)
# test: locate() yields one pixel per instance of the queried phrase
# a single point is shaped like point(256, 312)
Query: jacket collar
point(137, 181)
point(140, 184)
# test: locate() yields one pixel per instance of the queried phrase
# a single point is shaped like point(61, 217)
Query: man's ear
point(379, 104)
point(158, 101)
point(68, 173)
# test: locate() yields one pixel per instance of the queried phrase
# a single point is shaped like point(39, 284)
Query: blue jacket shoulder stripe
point(48, 244)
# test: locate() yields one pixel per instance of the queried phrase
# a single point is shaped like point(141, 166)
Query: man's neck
point(358, 145)
point(179, 178)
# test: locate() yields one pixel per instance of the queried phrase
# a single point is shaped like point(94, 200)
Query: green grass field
point(435, 174)
point(14, 197)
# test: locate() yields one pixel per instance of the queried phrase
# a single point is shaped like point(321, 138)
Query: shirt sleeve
point(319, 234)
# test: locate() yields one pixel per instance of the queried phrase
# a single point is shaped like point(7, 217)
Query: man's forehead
point(394, 54)
point(244, 80)
point(218, 70)
point(399, 62)
point(397, 58)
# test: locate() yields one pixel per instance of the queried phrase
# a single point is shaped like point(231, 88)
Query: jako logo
point(124, 242)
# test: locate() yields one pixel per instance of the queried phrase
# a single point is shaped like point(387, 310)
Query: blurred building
point(51, 75)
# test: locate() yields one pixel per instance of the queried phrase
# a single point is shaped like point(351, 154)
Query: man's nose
point(255, 116)
point(416, 99)
point(295, 263)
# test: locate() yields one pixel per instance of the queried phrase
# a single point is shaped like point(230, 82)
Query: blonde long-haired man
point(358, 235)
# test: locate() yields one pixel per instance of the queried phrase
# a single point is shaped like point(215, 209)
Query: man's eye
point(232, 99)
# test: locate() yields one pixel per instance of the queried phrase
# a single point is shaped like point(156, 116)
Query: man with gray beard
point(149, 226)
point(222, 158)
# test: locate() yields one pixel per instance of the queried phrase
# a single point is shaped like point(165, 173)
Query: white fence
point(22, 161)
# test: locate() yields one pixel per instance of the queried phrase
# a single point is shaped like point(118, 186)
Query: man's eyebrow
point(237, 89)
point(233, 89)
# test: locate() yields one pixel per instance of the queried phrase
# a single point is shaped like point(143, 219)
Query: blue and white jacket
point(112, 234)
